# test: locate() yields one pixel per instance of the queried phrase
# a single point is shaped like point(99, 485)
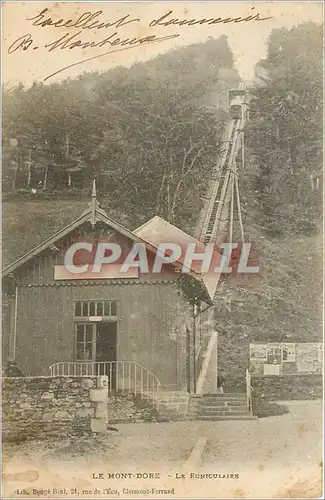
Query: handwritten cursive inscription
point(23, 42)
point(71, 42)
point(125, 44)
point(87, 20)
point(164, 21)
point(94, 21)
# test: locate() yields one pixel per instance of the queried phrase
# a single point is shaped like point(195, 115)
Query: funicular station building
point(144, 330)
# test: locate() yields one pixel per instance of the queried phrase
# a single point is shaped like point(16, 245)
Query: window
point(92, 308)
point(85, 341)
point(85, 309)
point(77, 310)
point(106, 308)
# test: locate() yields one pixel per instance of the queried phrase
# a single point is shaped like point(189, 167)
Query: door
point(106, 343)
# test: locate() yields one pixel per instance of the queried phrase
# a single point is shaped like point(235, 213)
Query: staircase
point(229, 406)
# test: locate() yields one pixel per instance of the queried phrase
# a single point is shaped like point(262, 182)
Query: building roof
point(157, 231)
point(88, 215)
point(152, 233)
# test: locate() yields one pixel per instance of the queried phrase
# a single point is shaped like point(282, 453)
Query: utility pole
point(29, 167)
point(242, 137)
point(14, 143)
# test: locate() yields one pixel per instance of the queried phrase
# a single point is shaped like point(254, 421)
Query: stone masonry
point(39, 407)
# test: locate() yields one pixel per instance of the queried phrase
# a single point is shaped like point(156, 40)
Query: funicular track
point(220, 194)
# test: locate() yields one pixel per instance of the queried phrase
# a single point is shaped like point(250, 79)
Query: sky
point(26, 58)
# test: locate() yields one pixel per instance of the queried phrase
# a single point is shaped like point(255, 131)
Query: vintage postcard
point(162, 290)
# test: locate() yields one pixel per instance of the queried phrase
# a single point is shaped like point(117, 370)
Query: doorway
point(106, 350)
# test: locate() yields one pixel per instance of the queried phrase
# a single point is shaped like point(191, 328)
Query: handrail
point(126, 376)
point(248, 390)
point(206, 361)
point(198, 346)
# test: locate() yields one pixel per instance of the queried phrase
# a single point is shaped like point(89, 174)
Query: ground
point(275, 457)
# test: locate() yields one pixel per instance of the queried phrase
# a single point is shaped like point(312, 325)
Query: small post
point(100, 397)
point(232, 206)
point(194, 350)
point(243, 137)
point(93, 204)
point(29, 167)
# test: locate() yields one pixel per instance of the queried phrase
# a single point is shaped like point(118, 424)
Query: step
point(238, 402)
point(212, 409)
point(222, 413)
point(223, 400)
point(224, 395)
point(213, 402)
point(171, 400)
point(219, 401)
point(227, 417)
point(171, 393)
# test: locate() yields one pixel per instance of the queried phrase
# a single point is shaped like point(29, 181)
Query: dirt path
point(274, 457)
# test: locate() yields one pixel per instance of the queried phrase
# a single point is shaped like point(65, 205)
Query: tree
point(285, 134)
point(149, 134)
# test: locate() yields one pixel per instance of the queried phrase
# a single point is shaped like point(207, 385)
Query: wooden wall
point(152, 313)
point(147, 330)
point(7, 314)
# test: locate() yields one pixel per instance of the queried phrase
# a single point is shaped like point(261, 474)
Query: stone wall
point(125, 407)
point(287, 387)
point(60, 407)
point(39, 407)
point(172, 405)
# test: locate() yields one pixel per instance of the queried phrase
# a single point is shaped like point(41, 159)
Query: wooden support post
point(188, 358)
point(29, 168)
point(231, 222)
point(239, 209)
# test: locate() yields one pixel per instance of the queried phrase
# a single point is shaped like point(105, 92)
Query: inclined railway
point(223, 193)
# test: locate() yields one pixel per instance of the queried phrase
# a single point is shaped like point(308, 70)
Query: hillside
point(158, 160)
point(283, 303)
point(149, 134)
point(282, 202)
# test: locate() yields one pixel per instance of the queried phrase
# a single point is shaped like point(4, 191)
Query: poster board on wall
point(288, 353)
point(272, 369)
point(308, 358)
point(289, 358)
point(274, 354)
point(258, 352)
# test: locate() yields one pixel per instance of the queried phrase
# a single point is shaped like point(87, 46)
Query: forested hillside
point(281, 188)
point(149, 134)
point(285, 133)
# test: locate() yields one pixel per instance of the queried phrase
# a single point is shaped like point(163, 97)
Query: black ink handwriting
point(23, 42)
point(70, 41)
point(164, 21)
point(87, 20)
point(126, 44)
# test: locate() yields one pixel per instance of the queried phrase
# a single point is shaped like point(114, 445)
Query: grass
point(263, 408)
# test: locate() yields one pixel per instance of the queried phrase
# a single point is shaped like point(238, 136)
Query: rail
point(126, 376)
point(203, 379)
point(218, 198)
point(223, 177)
point(248, 391)
point(202, 338)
